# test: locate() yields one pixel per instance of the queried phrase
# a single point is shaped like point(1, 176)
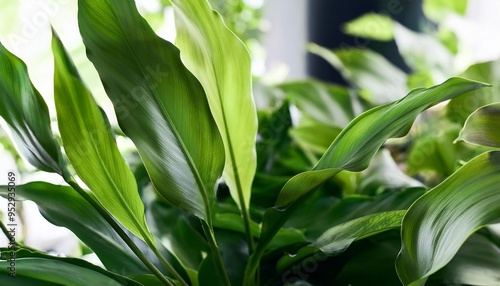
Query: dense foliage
point(391, 180)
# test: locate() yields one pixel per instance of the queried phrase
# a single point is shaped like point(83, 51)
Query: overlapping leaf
point(353, 149)
point(56, 271)
point(362, 67)
point(222, 64)
point(439, 222)
point(483, 126)
point(338, 238)
point(62, 206)
point(25, 111)
point(91, 148)
point(159, 104)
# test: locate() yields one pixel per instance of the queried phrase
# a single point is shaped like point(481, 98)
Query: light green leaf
point(221, 63)
point(159, 104)
point(62, 206)
point(361, 67)
point(338, 238)
point(327, 103)
point(25, 111)
point(33, 268)
point(437, 10)
point(439, 222)
point(460, 108)
point(483, 126)
point(353, 149)
point(414, 48)
point(307, 136)
point(384, 173)
point(91, 148)
point(370, 26)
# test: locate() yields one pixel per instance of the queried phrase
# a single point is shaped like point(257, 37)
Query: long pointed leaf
point(221, 63)
point(353, 149)
point(338, 238)
point(159, 104)
point(34, 268)
point(25, 111)
point(483, 126)
point(62, 206)
point(91, 148)
point(439, 222)
point(362, 68)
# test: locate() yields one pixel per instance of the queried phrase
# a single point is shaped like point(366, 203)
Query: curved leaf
point(159, 104)
point(356, 145)
point(362, 67)
point(91, 148)
point(483, 126)
point(476, 263)
point(25, 111)
point(221, 63)
point(371, 26)
point(62, 206)
point(338, 238)
point(353, 149)
point(33, 268)
point(439, 222)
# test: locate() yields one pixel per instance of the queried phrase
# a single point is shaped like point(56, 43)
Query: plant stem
point(246, 219)
point(215, 252)
point(6, 232)
point(167, 264)
point(104, 214)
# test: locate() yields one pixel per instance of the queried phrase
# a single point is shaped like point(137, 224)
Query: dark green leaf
point(222, 64)
point(338, 238)
point(32, 268)
point(63, 206)
point(159, 104)
point(483, 126)
point(439, 222)
point(354, 148)
point(25, 111)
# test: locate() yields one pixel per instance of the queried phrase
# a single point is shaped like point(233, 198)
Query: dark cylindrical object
point(325, 20)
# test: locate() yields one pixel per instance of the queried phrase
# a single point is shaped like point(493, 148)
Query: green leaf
point(62, 206)
point(327, 103)
point(25, 111)
point(33, 268)
point(159, 104)
point(353, 149)
point(476, 263)
point(222, 64)
point(370, 26)
point(437, 10)
point(439, 222)
point(459, 109)
point(307, 136)
point(323, 210)
point(169, 223)
point(231, 221)
point(338, 238)
point(483, 127)
point(383, 173)
point(361, 67)
point(414, 48)
point(356, 145)
point(91, 148)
